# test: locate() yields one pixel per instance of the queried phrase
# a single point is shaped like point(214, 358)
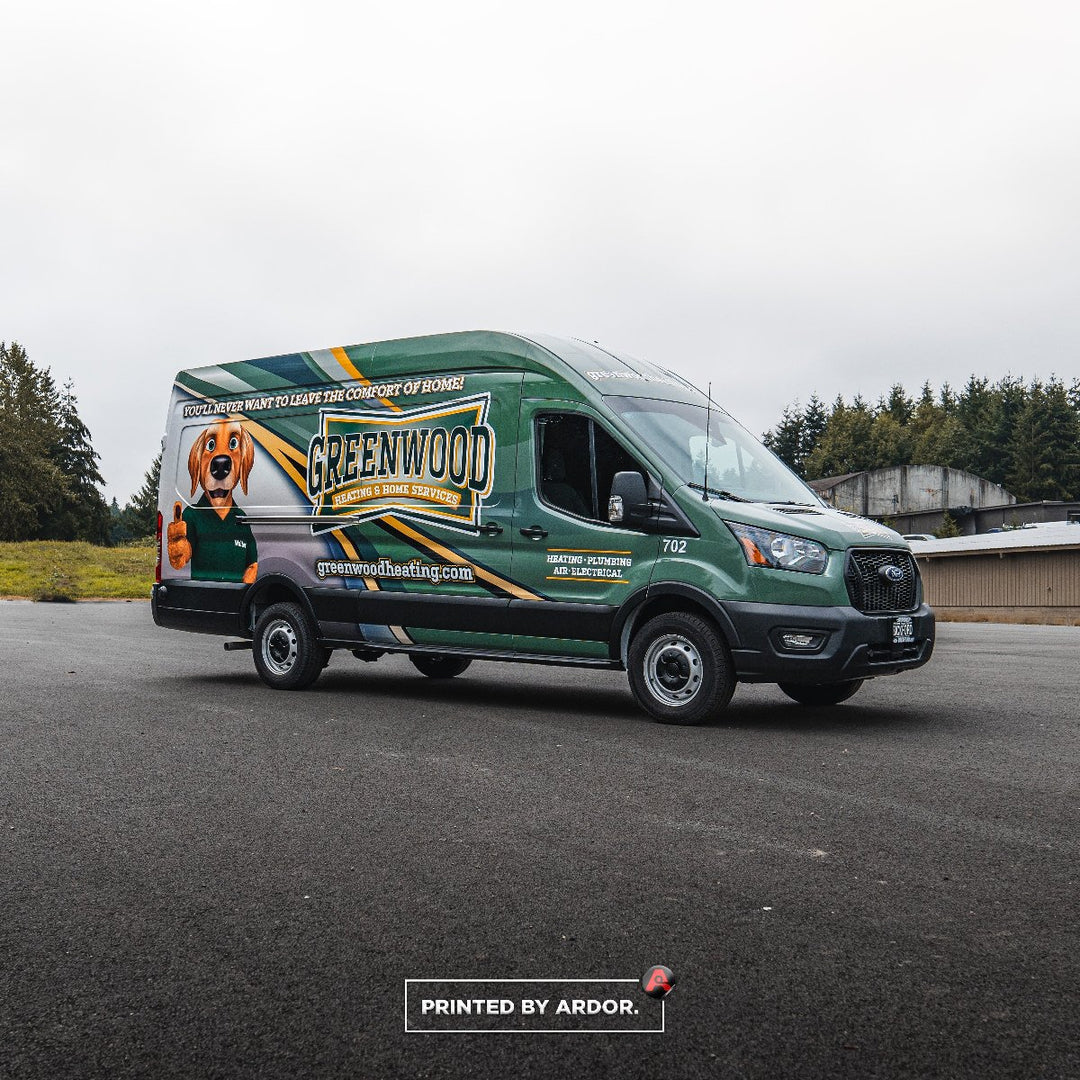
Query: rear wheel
point(820, 693)
point(679, 669)
point(439, 665)
point(286, 648)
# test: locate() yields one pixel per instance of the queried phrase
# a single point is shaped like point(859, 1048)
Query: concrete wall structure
point(982, 520)
point(909, 489)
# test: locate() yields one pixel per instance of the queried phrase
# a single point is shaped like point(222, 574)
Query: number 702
point(676, 547)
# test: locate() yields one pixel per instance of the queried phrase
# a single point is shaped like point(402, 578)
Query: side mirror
point(628, 499)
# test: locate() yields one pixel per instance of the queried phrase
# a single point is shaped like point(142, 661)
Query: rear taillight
point(157, 569)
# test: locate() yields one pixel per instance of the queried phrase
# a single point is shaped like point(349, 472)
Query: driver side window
point(577, 461)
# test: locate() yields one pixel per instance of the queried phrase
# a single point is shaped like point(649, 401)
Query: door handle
point(534, 532)
point(490, 529)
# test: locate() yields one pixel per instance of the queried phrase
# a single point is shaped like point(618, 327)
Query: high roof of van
point(586, 366)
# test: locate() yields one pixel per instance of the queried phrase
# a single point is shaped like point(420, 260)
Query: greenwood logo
point(434, 463)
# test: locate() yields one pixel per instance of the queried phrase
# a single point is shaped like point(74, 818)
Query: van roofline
point(587, 366)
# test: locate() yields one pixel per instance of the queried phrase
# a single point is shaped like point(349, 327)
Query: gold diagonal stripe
point(285, 448)
point(342, 357)
point(350, 550)
point(288, 457)
point(443, 552)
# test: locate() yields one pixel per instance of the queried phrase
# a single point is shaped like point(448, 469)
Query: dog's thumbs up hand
point(177, 527)
point(179, 548)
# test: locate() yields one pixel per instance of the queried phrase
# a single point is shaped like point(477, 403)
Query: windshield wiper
point(788, 502)
point(718, 493)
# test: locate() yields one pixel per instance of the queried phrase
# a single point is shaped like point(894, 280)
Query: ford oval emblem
point(892, 573)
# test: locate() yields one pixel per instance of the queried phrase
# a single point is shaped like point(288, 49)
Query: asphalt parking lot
point(201, 877)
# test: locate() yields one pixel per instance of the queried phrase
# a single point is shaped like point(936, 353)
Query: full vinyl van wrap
point(496, 496)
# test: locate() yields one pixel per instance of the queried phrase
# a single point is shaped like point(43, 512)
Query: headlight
point(780, 551)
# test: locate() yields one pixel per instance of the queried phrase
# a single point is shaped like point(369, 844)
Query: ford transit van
point(497, 496)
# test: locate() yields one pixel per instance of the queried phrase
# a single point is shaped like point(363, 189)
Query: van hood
point(836, 529)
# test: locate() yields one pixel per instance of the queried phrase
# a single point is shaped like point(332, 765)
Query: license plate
point(903, 630)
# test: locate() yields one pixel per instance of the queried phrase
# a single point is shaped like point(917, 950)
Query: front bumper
point(854, 645)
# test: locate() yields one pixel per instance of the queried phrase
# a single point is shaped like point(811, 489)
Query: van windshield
point(739, 466)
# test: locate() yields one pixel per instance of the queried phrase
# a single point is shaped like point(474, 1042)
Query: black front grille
point(872, 590)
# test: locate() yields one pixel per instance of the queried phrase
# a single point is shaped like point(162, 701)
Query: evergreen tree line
point(50, 486)
point(1022, 435)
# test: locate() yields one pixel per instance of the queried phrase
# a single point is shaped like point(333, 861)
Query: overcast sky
point(777, 197)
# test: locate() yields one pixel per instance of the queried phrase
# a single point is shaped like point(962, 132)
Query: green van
point(499, 496)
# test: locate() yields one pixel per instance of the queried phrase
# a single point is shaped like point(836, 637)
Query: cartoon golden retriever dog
point(210, 534)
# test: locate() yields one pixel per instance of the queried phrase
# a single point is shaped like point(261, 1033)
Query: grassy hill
point(54, 570)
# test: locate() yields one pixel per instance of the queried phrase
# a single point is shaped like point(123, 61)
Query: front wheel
point(679, 669)
point(287, 652)
point(820, 693)
point(439, 665)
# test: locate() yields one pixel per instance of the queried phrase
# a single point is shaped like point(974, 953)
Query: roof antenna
point(708, 419)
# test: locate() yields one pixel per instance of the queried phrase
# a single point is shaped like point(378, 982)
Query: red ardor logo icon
point(658, 981)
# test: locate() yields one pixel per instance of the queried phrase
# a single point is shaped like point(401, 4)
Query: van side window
point(565, 470)
point(578, 460)
point(610, 458)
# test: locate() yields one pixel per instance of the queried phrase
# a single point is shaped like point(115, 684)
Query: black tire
point(439, 665)
point(286, 648)
point(817, 694)
point(680, 670)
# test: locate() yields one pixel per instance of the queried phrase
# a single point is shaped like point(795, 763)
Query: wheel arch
point(273, 589)
point(661, 599)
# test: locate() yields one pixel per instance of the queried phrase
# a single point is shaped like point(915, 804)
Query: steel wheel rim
point(673, 670)
point(279, 647)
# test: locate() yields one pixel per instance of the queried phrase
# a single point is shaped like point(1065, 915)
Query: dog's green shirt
point(221, 548)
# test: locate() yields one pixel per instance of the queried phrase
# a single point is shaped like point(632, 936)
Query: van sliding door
point(443, 553)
